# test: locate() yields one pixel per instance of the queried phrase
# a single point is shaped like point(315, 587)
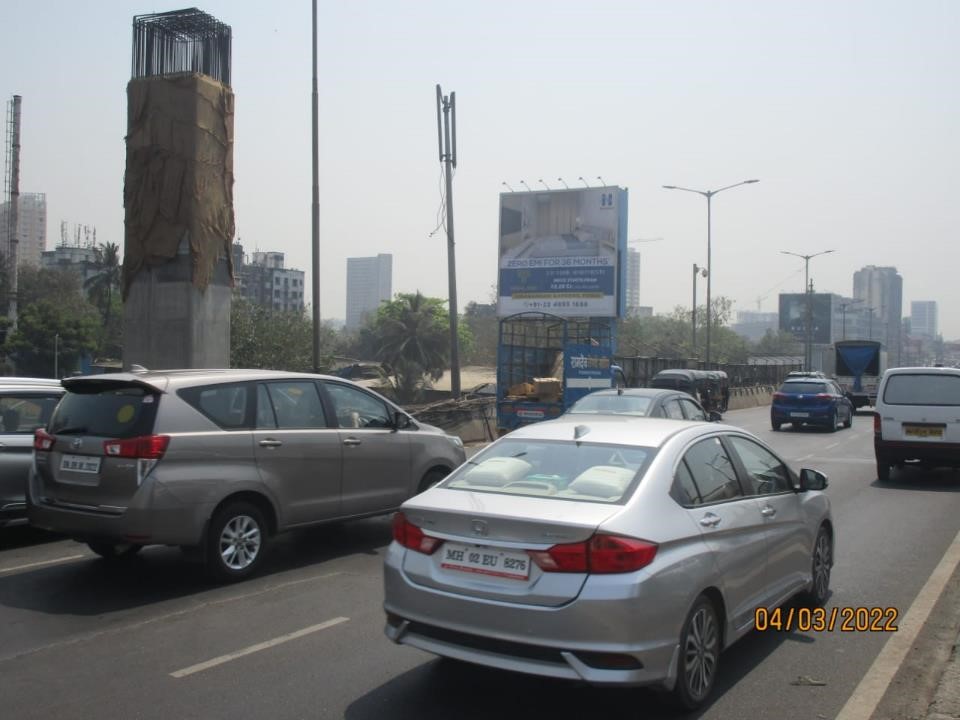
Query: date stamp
point(844, 619)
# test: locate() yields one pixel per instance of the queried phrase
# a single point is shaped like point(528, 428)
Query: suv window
point(356, 409)
point(296, 405)
point(712, 471)
point(22, 414)
point(224, 404)
point(106, 410)
point(922, 389)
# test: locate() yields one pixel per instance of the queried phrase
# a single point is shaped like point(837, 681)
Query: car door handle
point(768, 511)
point(351, 441)
point(270, 442)
point(710, 520)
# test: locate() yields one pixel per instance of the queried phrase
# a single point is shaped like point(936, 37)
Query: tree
point(777, 343)
point(483, 323)
point(261, 337)
point(102, 287)
point(53, 335)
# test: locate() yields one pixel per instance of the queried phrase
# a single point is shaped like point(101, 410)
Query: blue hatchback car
point(811, 401)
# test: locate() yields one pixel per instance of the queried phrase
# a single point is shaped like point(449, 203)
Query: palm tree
point(101, 285)
point(412, 332)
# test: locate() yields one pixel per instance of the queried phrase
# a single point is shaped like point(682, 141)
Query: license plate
point(486, 561)
point(923, 431)
point(797, 414)
point(80, 463)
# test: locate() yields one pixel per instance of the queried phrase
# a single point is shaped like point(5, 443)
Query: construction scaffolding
point(181, 41)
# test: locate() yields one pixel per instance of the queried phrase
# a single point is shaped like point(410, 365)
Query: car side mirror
point(715, 416)
point(401, 421)
point(812, 480)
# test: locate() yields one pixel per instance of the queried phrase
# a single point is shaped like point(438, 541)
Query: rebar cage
point(181, 41)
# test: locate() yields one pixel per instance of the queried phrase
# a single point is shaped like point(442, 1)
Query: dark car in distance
point(811, 401)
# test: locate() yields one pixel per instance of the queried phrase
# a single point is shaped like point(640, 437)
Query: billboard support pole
point(448, 156)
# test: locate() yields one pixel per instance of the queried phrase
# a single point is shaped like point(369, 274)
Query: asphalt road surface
point(80, 638)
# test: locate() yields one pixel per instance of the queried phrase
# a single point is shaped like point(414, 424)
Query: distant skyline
point(846, 112)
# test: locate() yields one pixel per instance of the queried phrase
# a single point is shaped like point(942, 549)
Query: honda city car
point(642, 402)
point(811, 401)
point(611, 550)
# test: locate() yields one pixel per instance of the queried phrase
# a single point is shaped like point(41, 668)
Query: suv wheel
point(236, 542)
point(431, 479)
point(114, 551)
point(699, 655)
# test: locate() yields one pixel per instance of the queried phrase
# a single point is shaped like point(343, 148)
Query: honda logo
point(479, 527)
point(76, 443)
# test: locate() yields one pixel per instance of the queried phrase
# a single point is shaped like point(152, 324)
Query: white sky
point(847, 111)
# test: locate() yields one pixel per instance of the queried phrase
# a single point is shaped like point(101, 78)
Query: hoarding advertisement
point(793, 316)
point(560, 250)
point(585, 368)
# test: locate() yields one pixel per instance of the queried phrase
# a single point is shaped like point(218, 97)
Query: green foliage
point(32, 345)
point(777, 343)
point(483, 323)
point(102, 290)
point(261, 337)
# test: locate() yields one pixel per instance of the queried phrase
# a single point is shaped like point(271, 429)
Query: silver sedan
point(607, 549)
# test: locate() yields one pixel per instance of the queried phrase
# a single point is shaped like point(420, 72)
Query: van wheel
point(699, 655)
point(114, 551)
point(236, 542)
point(431, 479)
point(883, 470)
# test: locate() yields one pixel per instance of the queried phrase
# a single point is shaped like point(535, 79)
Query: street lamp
point(808, 333)
point(708, 194)
point(693, 312)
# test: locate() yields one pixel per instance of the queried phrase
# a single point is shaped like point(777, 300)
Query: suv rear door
point(94, 414)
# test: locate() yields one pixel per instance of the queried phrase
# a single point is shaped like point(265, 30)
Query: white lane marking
point(199, 667)
point(875, 683)
point(165, 616)
point(55, 561)
point(831, 447)
point(805, 457)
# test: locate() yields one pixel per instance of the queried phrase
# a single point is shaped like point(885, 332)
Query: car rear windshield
point(803, 388)
point(106, 410)
point(922, 389)
point(619, 404)
point(581, 472)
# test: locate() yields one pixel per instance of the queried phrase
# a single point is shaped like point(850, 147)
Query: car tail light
point(824, 396)
point(600, 554)
point(412, 537)
point(877, 425)
point(779, 396)
point(145, 447)
point(42, 440)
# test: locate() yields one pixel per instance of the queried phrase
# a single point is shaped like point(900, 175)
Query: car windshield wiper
point(73, 430)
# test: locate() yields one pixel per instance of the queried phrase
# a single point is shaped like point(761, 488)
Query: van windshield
point(922, 389)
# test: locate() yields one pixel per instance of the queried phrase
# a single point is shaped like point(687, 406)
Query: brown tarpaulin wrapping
point(179, 177)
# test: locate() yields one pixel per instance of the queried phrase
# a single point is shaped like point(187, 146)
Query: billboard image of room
point(560, 252)
point(793, 316)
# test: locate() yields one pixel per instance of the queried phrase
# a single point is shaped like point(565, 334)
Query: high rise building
point(265, 281)
point(881, 290)
point(923, 318)
point(369, 283)
point(32, 228)
point(633, 282)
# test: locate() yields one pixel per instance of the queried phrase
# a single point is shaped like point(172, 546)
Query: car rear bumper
point(941, 454)
point(598, 637)
point(820, 416)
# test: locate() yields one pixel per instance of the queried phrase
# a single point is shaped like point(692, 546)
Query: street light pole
point(808, 333)
point(843, 314)
point(708, 194)
point(693, 311)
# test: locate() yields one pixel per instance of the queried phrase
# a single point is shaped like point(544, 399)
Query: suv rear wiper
point(75, 430)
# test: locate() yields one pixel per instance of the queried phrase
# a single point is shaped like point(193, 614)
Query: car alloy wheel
point(699, 654)
point(236, 541)
point(821, 565)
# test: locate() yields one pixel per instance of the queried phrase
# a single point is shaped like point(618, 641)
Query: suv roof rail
point(139, 369)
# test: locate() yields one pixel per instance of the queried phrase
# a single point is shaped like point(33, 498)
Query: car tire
point(236, 542)
point(834, 421)
point(699, 659)
point(821, 562)
point(883, 470)
point(849, 423)
point(431, 479)
point(114, 551)
point(775, 426)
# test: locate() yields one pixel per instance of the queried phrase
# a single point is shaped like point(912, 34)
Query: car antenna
point(135, 368)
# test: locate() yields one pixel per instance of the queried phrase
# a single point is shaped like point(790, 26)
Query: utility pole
point(316, 204)
point(447, 143)
point(13, 217)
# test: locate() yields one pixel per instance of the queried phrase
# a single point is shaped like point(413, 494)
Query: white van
point(917, 417)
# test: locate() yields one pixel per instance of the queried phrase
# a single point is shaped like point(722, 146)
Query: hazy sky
point(847, 112)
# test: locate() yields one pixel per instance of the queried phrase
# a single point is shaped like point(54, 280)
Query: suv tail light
point(145, 447)
point(42, 440)
point(600, 554)
point(412, 537)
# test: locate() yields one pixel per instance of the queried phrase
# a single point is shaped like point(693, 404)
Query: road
point(80, 638)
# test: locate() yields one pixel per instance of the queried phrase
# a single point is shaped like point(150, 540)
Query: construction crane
point(763, 296)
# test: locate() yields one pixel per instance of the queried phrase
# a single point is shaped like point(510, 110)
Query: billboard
point(561, 250)
point(793, 316)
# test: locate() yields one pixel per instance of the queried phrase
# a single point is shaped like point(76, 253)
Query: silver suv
point(222, 460)
point(25, 405)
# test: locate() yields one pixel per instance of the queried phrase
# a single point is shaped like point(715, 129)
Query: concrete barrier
point(747, 397)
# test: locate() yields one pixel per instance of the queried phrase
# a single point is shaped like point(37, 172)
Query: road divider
point(206, 665)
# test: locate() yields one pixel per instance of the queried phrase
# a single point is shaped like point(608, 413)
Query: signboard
point(793, 316)
point(561, 250)
point(585, 368)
